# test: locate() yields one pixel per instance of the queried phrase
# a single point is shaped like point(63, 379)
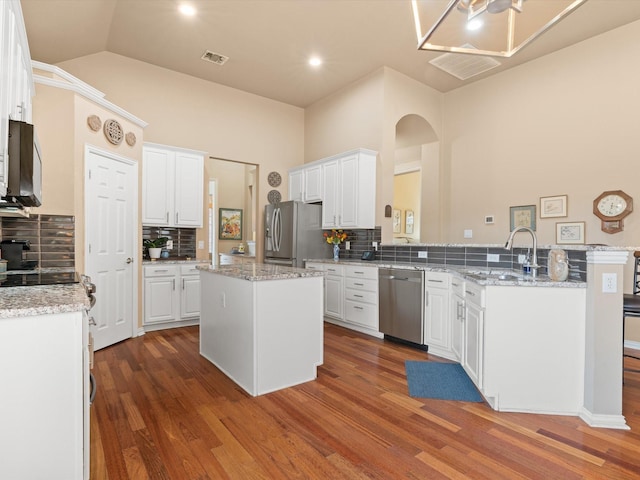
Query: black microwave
point(24, 179)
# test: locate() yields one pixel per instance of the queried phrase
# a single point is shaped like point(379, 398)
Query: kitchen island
point(262, 325)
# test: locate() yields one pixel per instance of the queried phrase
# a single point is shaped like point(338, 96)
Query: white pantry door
point(110, 234)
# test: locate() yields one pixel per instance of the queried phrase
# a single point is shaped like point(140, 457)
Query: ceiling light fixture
point(187, 10)
point(315, 61)
point(509, 25)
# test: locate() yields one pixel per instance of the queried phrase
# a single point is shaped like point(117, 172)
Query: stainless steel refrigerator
point(293, 232)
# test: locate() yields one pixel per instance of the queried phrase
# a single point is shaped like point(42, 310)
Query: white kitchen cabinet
point(473, 336)
point(171, 295)
point(296, 184)
point(16, 78)
point(334, 291)
point(349, 190)
point(189, 292)
point(361, 296)
point(351, 296)
point(305, 183)
point(45, 396)
point(437, 331)
point(457, 315)
point(172, 186)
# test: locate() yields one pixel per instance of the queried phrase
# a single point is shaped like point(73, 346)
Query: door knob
point(129, 260)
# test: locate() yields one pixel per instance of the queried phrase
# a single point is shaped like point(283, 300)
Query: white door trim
point(88, 148)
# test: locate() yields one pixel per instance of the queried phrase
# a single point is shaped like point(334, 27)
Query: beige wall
point(191, 113)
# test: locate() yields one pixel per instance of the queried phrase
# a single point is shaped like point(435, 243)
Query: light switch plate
point(169, 245)
point(493, 257)
point(422, 254)
point(200, 244)
point(468, 234)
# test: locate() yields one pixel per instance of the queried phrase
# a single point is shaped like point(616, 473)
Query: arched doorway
point(416, 199)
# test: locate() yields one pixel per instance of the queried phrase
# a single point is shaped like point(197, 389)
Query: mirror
point(416, 181)
point(232, 185)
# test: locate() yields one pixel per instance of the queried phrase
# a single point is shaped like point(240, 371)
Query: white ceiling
point(269, 41)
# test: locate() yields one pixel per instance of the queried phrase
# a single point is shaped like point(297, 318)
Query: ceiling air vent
point(214, 57)
point(464, 66)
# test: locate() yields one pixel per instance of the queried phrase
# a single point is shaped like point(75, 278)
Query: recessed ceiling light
point(474, 24)
point(187, 10)
point(315, 61)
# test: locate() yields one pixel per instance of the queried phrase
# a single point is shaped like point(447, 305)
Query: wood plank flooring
point(164, 412)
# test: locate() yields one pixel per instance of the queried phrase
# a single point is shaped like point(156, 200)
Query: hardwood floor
point(164, 412)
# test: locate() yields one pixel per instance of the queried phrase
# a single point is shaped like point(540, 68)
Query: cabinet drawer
point(160, 271)
point(474, 294)
point(361, 284)
point(189, 269)
point(457, 286)
point(361, 272)
point(334, 270)
point(361, 313)
point(314, 266)
point(361, 296)
point(436, 279)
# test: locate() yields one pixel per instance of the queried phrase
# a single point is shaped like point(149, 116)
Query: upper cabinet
point(16, 78)
point(349, 190)
point(305, 183)
point(172, 186)
point(344, 183)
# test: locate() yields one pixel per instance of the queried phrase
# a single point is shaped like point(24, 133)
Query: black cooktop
point(34, 278)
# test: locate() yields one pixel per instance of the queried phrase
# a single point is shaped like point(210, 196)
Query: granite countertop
point(42, 300)
point(255, 272)
point(481, 276)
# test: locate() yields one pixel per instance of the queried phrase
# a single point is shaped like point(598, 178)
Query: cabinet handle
point(359, 273)
point(358, 296)
point(158, 271)
point(359, 284)
point(359, 308)
point(176, 217)
point(167, 217)
point(435, 281)
point(183, 283)
point(470, 293)
point(174, 283)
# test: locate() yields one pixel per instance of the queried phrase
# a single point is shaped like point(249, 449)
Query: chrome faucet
point(534, 260)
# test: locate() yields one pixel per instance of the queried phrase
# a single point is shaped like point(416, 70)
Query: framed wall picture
point(408, 221)
point(523, 216)
point(397, 221)
point(570, 232)
point(553, 206)
point(230, 223)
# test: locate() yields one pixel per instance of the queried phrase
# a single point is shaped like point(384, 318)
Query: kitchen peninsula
point(262, 325)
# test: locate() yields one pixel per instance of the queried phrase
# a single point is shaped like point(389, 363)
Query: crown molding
point(69, 82)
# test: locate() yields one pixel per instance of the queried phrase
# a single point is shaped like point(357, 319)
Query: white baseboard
point(632, 345)
point(604, 421)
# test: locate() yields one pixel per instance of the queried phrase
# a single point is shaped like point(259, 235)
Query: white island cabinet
point(44, 404)
point(262, 324)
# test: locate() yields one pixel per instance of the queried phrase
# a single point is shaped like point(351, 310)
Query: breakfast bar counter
point(262, 324)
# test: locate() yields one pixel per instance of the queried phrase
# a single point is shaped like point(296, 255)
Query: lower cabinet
point(171, 296)
point(437, 325)
point(457, 314)
point(350, 296)
point(473, 333)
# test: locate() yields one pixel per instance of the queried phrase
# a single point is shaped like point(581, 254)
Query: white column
point(603, 350)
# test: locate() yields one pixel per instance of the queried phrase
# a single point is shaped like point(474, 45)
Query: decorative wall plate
point(130, 138)
point(274, 197)
point(274, 179)
point(113, 131)
point(94, 122)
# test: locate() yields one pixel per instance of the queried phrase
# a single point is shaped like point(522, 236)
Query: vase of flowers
point(335, 238)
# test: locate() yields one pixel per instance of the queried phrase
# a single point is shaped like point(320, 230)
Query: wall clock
point(611, 207)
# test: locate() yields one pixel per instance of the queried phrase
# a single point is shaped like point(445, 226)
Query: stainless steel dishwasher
point(401, 304)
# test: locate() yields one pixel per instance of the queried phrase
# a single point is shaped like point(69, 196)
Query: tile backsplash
point(184, 239)
point(52, 238)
